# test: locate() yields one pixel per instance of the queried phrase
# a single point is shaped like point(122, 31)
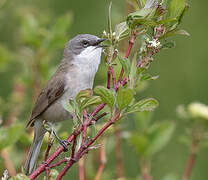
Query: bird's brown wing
point(53, 90)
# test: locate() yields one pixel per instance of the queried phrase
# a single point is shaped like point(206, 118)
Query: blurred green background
point(182, 70)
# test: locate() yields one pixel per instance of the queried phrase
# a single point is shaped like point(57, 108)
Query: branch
point(81, 169)
point(102, 162)
point(119, 156)
point(193, 155)
point(58, 151)
point(131, 43)
point(84, 148)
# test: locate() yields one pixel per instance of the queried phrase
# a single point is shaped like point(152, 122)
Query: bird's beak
point(99, 41)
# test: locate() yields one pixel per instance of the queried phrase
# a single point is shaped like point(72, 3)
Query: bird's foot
point(64, 144)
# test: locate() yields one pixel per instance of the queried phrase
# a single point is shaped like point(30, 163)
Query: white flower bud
point(198, 110)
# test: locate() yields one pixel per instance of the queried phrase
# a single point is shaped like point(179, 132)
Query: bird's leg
point(63, 143)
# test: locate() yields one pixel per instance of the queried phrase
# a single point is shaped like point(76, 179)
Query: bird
point(76, 72)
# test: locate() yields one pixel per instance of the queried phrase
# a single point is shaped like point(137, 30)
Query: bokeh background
point(32, 38)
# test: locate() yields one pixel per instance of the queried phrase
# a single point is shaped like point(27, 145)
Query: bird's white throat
point(90, 57)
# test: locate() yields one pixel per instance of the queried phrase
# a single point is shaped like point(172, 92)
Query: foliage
point(153, 23)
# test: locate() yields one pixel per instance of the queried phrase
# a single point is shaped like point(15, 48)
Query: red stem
point(59, 163)
point(81, 169)
point(109, 78)
point(74, 146)
point(102, 162)
point(47, 173)
point(131, 43)
point(42, 167)
point(113, 76)
point(47, 151)
point(84, 147)
point(85, 127)
point(193, 155)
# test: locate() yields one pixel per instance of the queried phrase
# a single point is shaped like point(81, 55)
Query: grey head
point(80, 42)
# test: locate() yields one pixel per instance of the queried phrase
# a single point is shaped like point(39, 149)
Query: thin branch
point(109, 78)
point(74, 146)
point(81, 169)
point(58, 151)
point(8, 162)
point(193, 155)
point(59, 162)
point(47, 173)
point(119, 155)
point(102, 162)
point(131, 43)
point(84, 148)
point(113, 76)
point(85, 127)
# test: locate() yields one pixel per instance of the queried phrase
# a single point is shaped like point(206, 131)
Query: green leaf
point(90, 101)
point(124, 97)
point(125, 64)
point(175, 32)
point(9, 136)
point(176, 8)
point(120, 29)
point(142, 16)
point(143, 105)
point(20, 176)
point(159, 135)
point(147, 77)
point(84, 94)
point(168, 45)
point(106, 95)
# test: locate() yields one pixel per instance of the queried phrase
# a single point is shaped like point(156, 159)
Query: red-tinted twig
point(81, 169)
point(98, 109)
point(193, 155)
point(119, 156)
point(102, 162)
point(42, 167)
point(113, 76)
point(47, 173)
point(74, 146)
point(59, 162)
point(84, 127)
point(48, 150)
point(84, 148)
point(131, 43)
point(109, 79)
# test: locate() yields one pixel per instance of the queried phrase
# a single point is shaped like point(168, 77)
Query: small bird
point(76, 72)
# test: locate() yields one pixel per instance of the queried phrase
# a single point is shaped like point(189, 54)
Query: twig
point(47, 173)
point(145, 168)
point(102, 162)
point(84, 148)
point(58, 151)
point(193, 155)
point(74, 145)
point(81, 169)
point(113, 76)
point(131, 43)
point(84, 127)
point(59, 162)
point(8, 162)
point(119, 156)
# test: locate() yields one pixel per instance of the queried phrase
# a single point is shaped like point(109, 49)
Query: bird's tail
point(35, 147)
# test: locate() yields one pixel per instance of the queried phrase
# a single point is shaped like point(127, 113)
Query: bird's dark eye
point(85, 43)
